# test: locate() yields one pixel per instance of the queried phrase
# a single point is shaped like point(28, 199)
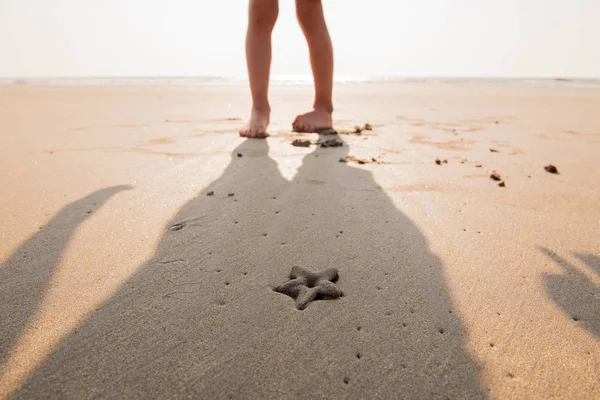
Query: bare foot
point(257, 126)
point(313, 121)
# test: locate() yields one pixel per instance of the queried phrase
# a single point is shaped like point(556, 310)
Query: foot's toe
point(301, 126)
point(258, 133)
point(298, 124)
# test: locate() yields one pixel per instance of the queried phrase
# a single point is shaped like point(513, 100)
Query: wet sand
point(121, 277)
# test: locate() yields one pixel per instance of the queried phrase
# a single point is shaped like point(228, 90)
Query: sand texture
point(142, 240)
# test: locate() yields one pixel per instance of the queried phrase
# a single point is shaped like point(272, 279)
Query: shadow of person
point(576, 294)
point(591, 260)
point(25, 274)
point(200, 319)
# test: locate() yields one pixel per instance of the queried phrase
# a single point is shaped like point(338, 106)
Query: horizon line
point(298, 79)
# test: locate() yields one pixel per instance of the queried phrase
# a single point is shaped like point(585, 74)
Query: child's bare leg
point(262, 15)
point(312, 21)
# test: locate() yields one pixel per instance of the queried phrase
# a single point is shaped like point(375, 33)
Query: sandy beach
point(121, 277)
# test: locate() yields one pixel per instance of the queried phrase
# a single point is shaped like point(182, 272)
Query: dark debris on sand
point(211, 193)
point(357, 130)
point(239, 154)
point(360, 161)
point(551, 168)
point(495, 176)
point(330, 143)
point(301, 143)
point(502, 184)
point(495, 151)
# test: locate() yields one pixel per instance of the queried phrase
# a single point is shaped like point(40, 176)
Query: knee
point(263, 13)
point(306, 10)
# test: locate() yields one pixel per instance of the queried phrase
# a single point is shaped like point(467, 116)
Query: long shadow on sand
point(199, 319)
point(576, 294)
point(25, 274)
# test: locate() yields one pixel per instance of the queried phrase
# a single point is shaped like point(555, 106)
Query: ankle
point(261, 108)
point(327, 107)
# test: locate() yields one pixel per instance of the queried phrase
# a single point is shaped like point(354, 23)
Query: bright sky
point(476, 38)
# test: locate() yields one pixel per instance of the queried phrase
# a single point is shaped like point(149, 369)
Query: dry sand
point(453, 287)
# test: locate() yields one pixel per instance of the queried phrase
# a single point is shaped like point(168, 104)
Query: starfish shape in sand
point(306, 286)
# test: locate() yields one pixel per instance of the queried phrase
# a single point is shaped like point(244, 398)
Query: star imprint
point(306, 286)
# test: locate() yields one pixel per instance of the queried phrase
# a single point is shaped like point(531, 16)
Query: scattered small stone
point(495, 176)
point(445, 161)
point(239, 154)
point(551, 168)
point(368, 127)
point(211, 193)
point(478, 166)
point(342, 159)
point(438, 161)
point(502, 184)
point(464, 160)
point(495, 151)
point(301, 143)
point(358, 129)
point(331, 143)
point(361, 162)
point(231, 194)
point(373, 159)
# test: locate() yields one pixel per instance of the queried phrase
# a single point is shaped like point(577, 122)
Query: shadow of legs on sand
point(25, 274)
point(574, 293)
point(199, 319)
